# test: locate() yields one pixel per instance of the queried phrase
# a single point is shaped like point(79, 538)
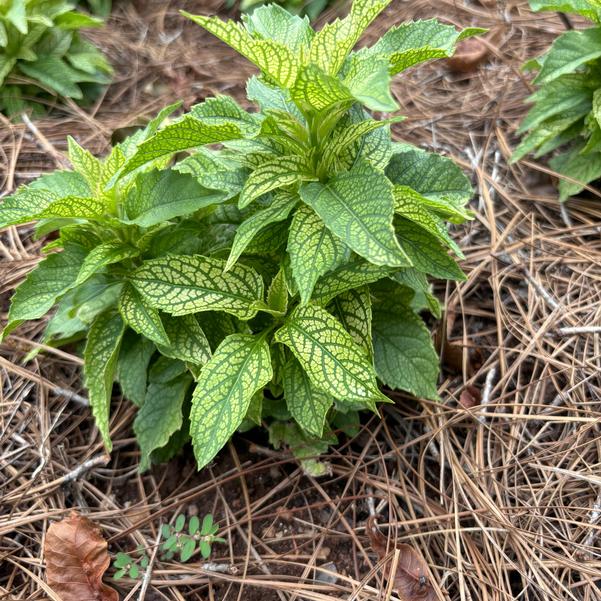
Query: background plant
point(273, 280)
point(42, 53)
point(567, 104)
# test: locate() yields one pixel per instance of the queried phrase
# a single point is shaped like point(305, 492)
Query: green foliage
point(42, 54)
point(239, 268)
point(567, 104)
point(309, 8)
point(179, 540)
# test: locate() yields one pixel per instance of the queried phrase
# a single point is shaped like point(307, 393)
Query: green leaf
point(580, 7)
point(205, 549)
point(354, 274)
point(368, 80)
point(54, 73)
point(404, 354)
point(582, 168)
point(73, 207)
point(341, 140)
point(330, 356)
point(435, 177)
point(187, 340)
point(51, 278)
point(274, 22)
point(240, 366)
point(271, 97)
point(100, 361)
point(132, 366)
point(426, 252)
point(353, 310)
point(358, 207)
point(332, 44)
point(568, 52)
point(570, 94)
point(307, 404)
point(224, 110)
point(409, 206)
point(317, 90)
point(181, 285)
point(279, 210)
point(214, 172)
point(187, 550)
point(277, 295)
point(17, 15)
point(160, 415)
point(411, 43)
point(284, 171)
point(85, 163)
point(184, 134)
point(141, 317)
point(193, 525)
point(25, 205)
point(180, 522)
point(163, 195)
point(104, 255)
point(313, 250)
point(418, 282)
point(272, 57)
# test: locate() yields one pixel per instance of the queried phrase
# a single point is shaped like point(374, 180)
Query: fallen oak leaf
point(410, 580)
point(472, 52)
point(76, 559)
point(470, 397)
point(469, 55)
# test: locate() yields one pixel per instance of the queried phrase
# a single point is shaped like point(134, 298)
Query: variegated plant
point(275, 274)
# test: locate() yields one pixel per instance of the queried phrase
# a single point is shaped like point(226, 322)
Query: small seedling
point(178, 540)
point(186, 541)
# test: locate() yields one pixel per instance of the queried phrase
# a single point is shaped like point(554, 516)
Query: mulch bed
point(501, 498)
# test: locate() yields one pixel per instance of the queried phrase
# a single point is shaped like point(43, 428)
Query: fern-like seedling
point(269, 267)
point(566, 113)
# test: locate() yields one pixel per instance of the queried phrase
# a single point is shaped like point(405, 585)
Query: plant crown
point(274, 279)
point(567, 104)
point(42, 54)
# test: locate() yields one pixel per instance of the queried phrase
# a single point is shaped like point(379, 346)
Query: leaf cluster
point(177, 539)
point(305, 8)
point(567, 103)
point(233, 268)
point(42, 54)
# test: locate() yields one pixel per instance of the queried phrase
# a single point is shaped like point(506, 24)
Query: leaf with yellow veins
point(240, 366)
point(273, 58)
point(330, 356)
point(100, 362)
point(182, 284)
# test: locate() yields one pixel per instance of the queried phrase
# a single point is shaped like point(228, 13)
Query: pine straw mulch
point(503, 499)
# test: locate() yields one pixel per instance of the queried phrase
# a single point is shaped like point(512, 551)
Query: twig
point(148, 573)
point(59, 159)
point(86, 466)
point(568, 331)
point(223, 568)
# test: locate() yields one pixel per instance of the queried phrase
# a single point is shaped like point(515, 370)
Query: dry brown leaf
point(411, 580)
point(470, 397)
point(76, 559)
point(469, 55)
